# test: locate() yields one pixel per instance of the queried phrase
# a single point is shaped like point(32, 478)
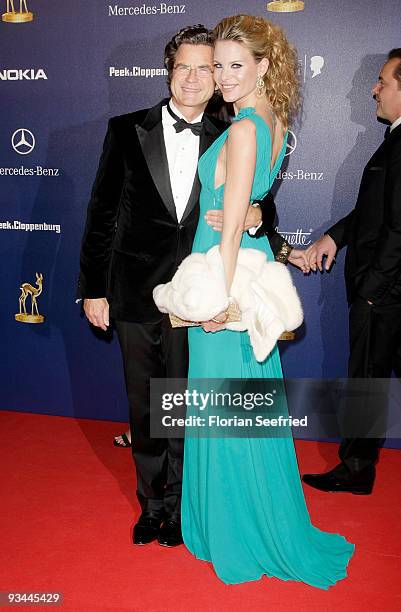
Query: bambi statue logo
point(12, 16)
point(285, 6)
point(34, 292)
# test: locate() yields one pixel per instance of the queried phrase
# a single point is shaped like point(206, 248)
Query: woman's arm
point(240, 172)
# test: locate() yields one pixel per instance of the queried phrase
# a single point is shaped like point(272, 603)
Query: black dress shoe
point(146, 530)
point(170, 533)
point(341, 480)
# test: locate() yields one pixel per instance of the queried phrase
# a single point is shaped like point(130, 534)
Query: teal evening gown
point(243, 507)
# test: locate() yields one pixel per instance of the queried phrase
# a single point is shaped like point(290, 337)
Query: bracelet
point(224, 320)
point(231, 314)
point(284, 252)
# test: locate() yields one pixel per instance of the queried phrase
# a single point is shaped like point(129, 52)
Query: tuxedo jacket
point(133, 240)
point(372, 231)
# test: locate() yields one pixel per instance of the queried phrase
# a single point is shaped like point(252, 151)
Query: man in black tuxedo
point(141, 222)
point(372, 234)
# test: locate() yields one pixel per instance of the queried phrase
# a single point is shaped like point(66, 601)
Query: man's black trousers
point(375, 352)
point(153, 350)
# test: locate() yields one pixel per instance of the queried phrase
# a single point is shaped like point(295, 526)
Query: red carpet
point(68, 506)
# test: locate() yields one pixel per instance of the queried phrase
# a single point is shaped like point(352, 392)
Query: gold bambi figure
point(285, 6)
point(27, 289)
point(11, 16)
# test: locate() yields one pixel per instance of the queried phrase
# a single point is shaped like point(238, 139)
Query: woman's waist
point(210, 199)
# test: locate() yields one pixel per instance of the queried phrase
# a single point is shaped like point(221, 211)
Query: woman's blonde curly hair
point(264, 39)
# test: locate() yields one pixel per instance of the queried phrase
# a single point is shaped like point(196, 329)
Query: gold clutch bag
point(231, 315)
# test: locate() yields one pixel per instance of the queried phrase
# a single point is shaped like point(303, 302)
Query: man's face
point(387, 93)
point(192, 83)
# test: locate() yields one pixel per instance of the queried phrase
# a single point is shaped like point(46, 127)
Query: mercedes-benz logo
point(291, 143)
point(23, 141)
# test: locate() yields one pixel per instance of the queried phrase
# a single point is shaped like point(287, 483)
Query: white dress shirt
point(182, 150)
point(396, 123)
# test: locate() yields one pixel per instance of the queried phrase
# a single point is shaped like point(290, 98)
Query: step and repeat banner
point(65, 68)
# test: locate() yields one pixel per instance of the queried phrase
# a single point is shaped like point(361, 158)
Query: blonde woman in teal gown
point(243, 507)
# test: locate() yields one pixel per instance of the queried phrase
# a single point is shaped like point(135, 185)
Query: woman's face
point(236, 72)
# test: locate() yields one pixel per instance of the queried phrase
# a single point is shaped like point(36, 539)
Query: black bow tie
point(181, 124)
point(387, 132)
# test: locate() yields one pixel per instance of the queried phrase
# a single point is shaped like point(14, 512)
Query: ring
point(224, 320)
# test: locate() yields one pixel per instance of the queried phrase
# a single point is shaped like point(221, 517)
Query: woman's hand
point(299, 259)
point(218, 323)
point(212, 326)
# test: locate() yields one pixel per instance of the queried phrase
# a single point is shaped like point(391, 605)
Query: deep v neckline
point(248, 111)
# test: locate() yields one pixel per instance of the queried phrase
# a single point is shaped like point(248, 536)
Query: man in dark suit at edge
point(141, 222)
point(372, 235)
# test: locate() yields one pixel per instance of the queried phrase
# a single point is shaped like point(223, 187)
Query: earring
point(260, 87)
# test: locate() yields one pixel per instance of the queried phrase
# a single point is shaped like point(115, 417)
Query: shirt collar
point(396, 123)
point(180, 115)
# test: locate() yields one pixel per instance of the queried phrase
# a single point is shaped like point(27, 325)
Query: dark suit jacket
point(132, 240)
point(372, 231)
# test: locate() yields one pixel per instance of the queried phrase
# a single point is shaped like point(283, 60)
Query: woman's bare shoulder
point(242, 132)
